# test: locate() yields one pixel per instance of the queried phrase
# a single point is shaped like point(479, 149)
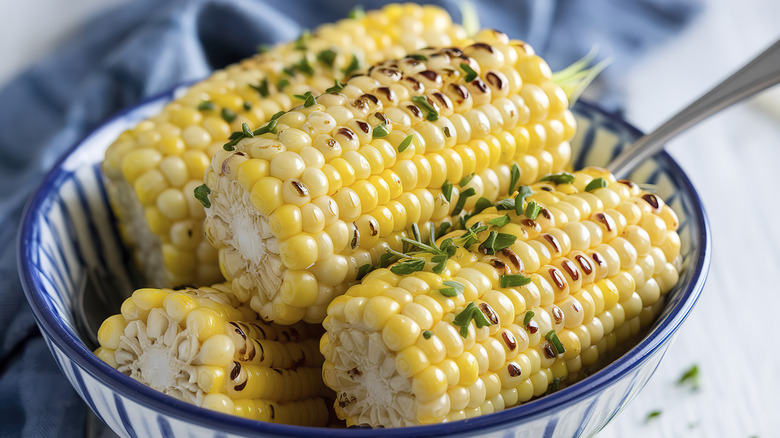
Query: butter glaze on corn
point(152, 169)
point(204, 347)
point(600, 264)
point(296, 214)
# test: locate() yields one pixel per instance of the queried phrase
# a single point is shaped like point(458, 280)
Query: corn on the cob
point(299, 205)
point(152, 169)
point(204, 347)
point(534, 299)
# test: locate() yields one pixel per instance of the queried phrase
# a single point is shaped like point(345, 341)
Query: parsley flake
point(529, 315)
point(514, 177)
point(446, 190)
point(202, 195)
point(327, 57)
point(427, 334)
point(261, 88)
point(228, 115)
point(516, 280)
point(532, 210)
point(500, 221)
point(559, 178)
point(380, 131)
point(464, 195)
point(464, 318)
point(336, 88)
point(466, 179)
point(423, 103)
point(452, 289)
point(470, 73)
point(206, 105)
point(353, 66)
point(407, 266)
point(595, 184)
point(307, 98)
point(553, 339)
point(405, 143)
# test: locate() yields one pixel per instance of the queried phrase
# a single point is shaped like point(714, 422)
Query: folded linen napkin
point(144, 47)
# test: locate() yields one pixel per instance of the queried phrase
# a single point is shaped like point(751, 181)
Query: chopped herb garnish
point(529, 315)
point(452, 289)
point(387, 259)
point(202, 195)
point(514, 177)
point(554, 386)
point(407, 266)
point(277, 115)
point(690, 377)
point(206, 105)
point(553, 339)
point(282, 84)
point(464, 195)
point(427, 334)
point(559, 178)
point(446, 190)
point(380, 131)
point(464, 318)
point(228, 115)
point(466, 179)
point(422, 102)
point(497, 241)
point(405, 143)
point(300, 43)
point(470, 236)
point(505, 204)
point(304, 67)
point(500, 221)
point(532, 210)
point(247, 105)
point(268, 127)
point(327, 57)
point(595, 184)
point(482, 204)
point(353, 66)
point(261, 88)
point(470, 73)
point(307, 97)
point(652, 414)
point(363, 270)
point(443, 227)
point(247, 132)
point(446, 131)
point(336, 88)
point(522, 193)
point(357, 12)
point(418, 56)
point(515, 280)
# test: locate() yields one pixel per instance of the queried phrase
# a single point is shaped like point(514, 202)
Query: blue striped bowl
point(67, 230)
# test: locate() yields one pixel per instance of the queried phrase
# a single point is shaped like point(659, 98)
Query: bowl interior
point(68, 232)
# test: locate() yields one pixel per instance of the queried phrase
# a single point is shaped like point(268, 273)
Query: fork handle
point(759, 74)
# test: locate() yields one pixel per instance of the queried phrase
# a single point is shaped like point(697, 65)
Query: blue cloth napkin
point(145, 47)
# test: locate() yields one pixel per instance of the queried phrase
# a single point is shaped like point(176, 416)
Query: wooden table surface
point(733, 161)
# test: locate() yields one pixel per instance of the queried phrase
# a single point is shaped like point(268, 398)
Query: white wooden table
point(733, 160)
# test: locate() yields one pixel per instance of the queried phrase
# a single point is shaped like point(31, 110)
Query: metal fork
point(757, 75)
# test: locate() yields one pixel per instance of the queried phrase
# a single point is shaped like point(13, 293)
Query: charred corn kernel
point(511, 328)
point(204, 347)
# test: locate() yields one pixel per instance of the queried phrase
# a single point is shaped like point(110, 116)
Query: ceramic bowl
point(67, 231)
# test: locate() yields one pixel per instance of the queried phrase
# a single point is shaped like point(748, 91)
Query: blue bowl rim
point(75, 349)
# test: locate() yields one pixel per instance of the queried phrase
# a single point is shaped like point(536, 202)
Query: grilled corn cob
point(153, 168)
point(297, 206)
point(202, 346)
point(522, 304)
